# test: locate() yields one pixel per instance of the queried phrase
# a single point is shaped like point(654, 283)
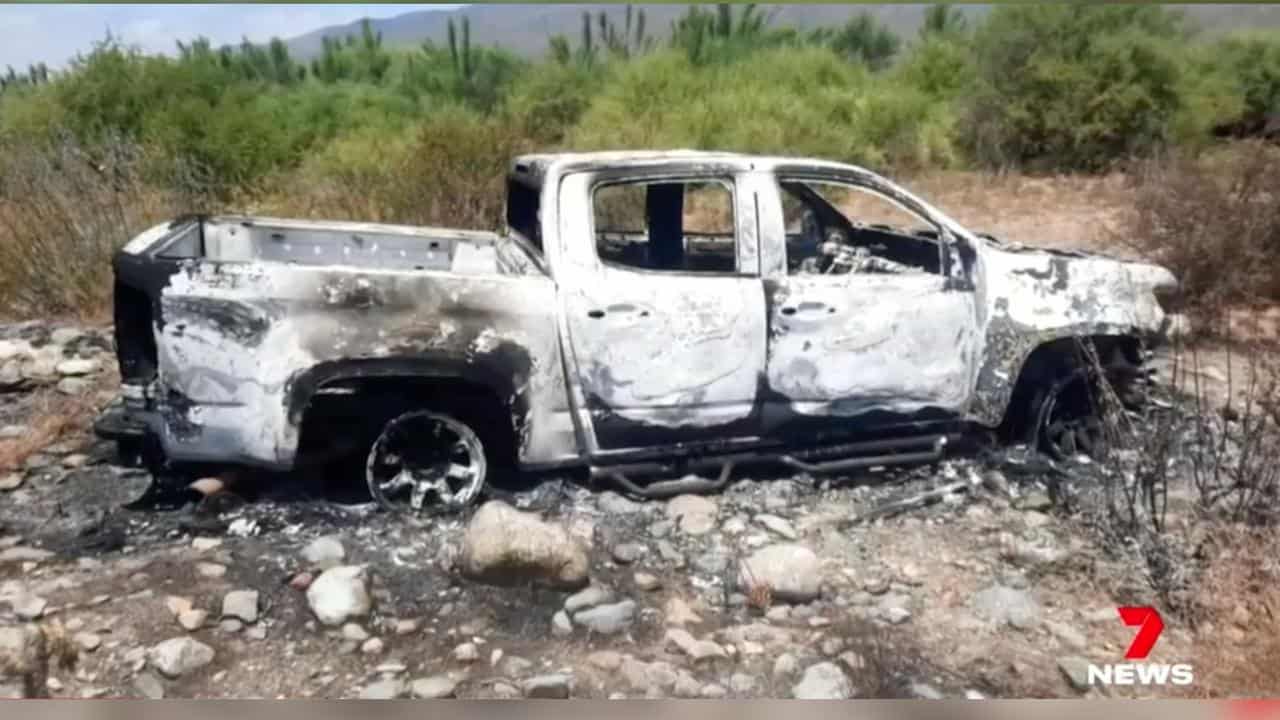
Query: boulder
point(504, 546)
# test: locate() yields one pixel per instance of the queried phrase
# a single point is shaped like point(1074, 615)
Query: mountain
point(525, 29)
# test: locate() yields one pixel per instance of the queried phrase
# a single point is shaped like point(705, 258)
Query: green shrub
point(1075, 86)
point(795, 101)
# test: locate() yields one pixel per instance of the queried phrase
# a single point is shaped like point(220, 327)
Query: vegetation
point(1052, 88)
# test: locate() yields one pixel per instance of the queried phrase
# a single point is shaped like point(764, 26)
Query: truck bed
point(310, 242)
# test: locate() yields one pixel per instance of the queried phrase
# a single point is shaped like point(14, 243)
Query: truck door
point(871, 322)
point(663, 308)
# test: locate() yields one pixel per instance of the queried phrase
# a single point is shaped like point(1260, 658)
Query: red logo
point(1150, 627)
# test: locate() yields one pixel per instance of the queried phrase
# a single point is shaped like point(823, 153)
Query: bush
point(1075, 86)
point(448, 170)
point(1215, 222)
point(794, 101)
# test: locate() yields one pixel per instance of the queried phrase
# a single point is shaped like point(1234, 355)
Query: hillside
point(525, 28)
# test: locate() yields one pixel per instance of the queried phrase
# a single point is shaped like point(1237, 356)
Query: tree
point(943, 19)
point(863, 39)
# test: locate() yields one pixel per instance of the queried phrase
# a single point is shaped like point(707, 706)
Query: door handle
point(807, 307)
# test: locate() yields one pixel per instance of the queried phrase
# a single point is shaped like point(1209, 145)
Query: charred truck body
point(641, 313)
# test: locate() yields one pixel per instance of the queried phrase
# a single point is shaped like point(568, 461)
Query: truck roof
point(532, 168)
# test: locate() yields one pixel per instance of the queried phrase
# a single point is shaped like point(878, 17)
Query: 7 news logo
point(1149, 625)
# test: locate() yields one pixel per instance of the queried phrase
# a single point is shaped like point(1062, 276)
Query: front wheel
point(426, 459)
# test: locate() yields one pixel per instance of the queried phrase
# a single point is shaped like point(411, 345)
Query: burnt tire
point(427, 461)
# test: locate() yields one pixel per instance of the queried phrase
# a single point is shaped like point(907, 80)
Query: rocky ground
point(773, 588)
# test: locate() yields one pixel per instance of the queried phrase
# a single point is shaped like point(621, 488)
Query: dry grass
point(1082, 212)
point(53, 416)
point(66, 212)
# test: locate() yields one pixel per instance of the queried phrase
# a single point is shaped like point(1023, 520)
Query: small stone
point(1076, 670)
point(77, 367)
point(1067, 635)
point(646, 582)
point(1034, 500)
point(205, 544)
point(387, 689)
point(230, 626)
point(466, 653)
point(695, 514)
point(897, 615)
point(587, 598)
point(552, 687)
point(925, 691)
point(339, 594)
point(257, 632)
point(698, 650)
point(75, 461)
point(734, 526)
point(406, 627)
point(515, 666)
point(353, 631)
point(713, 691)
point(433, 688)
point(179, 656)
point(324, 553)
point(823, 681)
point(677, 612)
point(11, 481)
point(627, 553)
point(660, 528)
point(785, 666)
point(13, 432)
point(742, 684)
point(29, 607)
point(148, 686)
point(1003, 604)
point(607, 619)
point(372, 646)
point(301, 581)
point(73, 386)
point(241, 604)
point(561, 625)
point(505, 691)
point(792, 573)
point(606, 660)
point(88, 641)
point(777, 526)
point(211, 570)
point(611, 503)
point(192, 620)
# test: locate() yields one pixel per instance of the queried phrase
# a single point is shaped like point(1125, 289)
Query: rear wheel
point(426, 460)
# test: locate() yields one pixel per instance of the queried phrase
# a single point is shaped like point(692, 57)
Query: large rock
point(824, 681)
point(339, 594)
point(792, 572)
point(178, 656)
point(503, 546)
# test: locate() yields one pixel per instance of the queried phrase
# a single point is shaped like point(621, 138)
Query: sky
point(53, 34)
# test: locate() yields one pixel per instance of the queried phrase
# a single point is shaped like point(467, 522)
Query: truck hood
point(1047, 288)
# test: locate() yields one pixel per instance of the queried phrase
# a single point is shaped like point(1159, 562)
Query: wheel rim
point(1069, 422)
point(424, 459)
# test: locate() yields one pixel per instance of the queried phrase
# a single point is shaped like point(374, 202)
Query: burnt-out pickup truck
point(642, 315)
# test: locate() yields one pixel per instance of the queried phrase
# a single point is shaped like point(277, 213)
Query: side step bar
point(898, 451)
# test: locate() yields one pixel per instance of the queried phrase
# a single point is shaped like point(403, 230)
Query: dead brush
point(29, 651)
point(54, 416)
point(64, 209)
point(1213, 220)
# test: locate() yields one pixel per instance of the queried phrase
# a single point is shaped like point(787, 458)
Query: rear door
point(663, 307)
